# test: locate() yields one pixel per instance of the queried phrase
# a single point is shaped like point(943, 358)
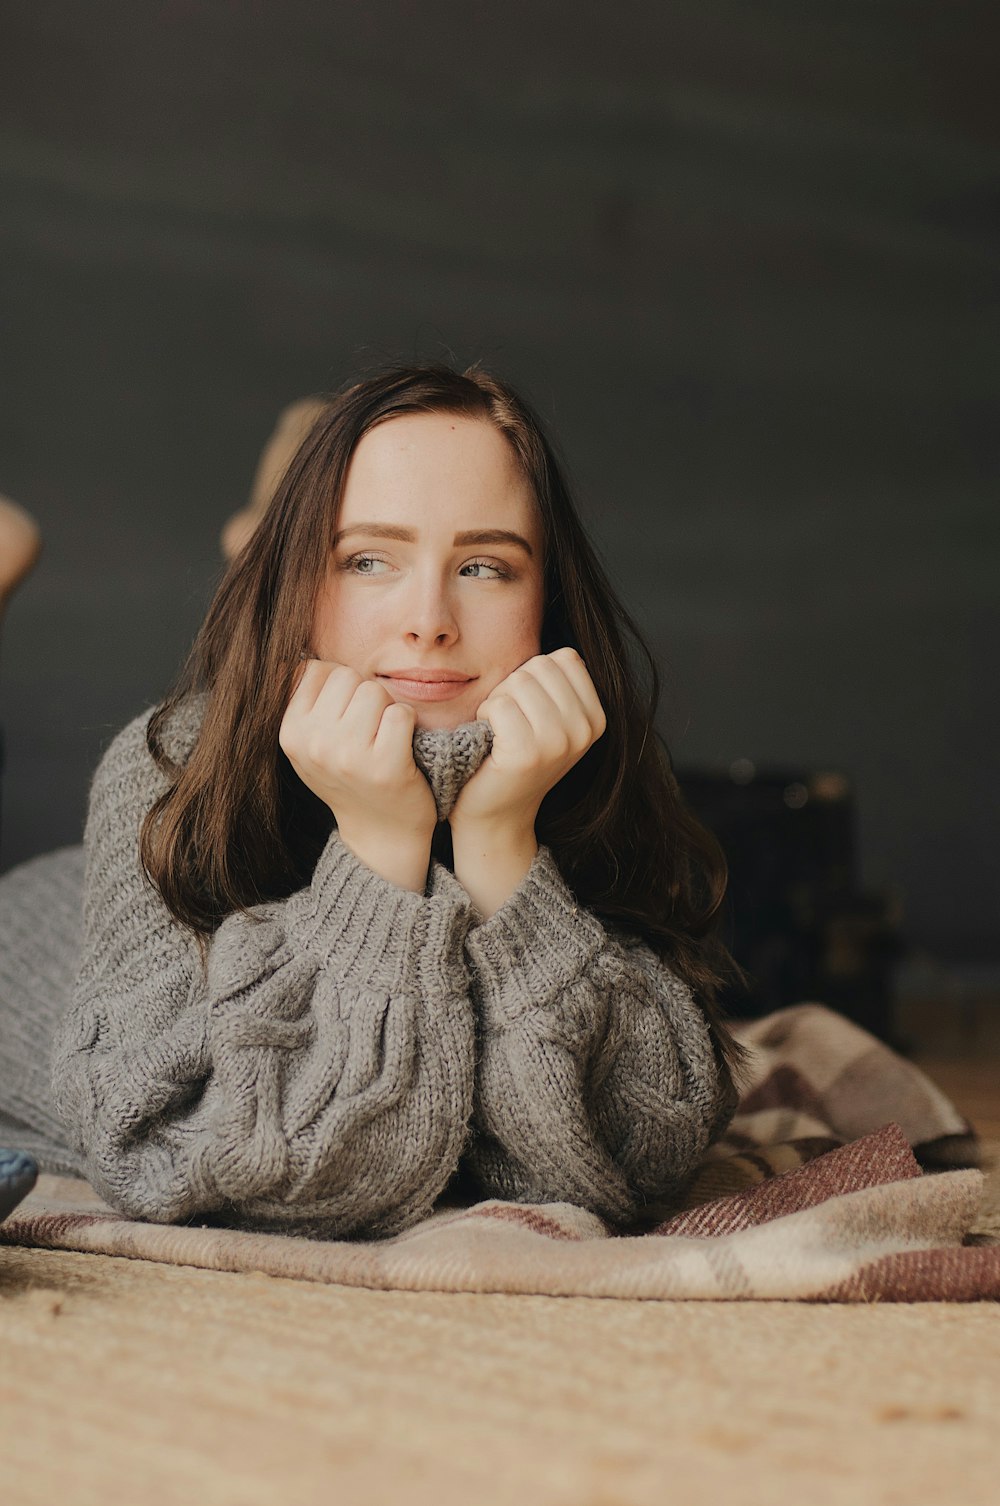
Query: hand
point(544, 718)
point(352, 744)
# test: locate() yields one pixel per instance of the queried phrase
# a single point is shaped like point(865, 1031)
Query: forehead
point(437, 464)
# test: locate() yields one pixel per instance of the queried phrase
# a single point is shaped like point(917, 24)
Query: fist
point(544, 718)
point(352, 745)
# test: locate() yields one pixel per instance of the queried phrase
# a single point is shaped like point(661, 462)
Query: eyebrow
point(408, 535)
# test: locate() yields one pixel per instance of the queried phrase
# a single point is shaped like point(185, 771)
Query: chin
point(436, 718)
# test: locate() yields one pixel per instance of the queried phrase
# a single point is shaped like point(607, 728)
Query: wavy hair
point(236, 826)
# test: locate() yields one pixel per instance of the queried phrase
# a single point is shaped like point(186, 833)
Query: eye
point(501, 571)
point(358, 562)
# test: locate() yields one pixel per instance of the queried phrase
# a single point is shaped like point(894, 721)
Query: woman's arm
point(597, 1081)
point(317, 1073)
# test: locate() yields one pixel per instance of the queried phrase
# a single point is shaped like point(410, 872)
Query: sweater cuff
point(538, 942)
point(379, 934)
point(442, 884)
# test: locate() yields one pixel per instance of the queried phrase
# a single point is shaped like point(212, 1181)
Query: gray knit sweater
point(348, 1054)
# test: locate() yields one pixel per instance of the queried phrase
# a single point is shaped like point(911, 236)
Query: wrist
point(491, 860)
point(510, 830)
point(402, 858)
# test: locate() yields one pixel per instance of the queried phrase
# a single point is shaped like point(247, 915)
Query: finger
point(541, 712)
point(308, 680)
point(360, 718)
point(507, 719)
point(336, 692)
point(394, 736)
point(573, 667)
point(563, 715)
point(573, 710)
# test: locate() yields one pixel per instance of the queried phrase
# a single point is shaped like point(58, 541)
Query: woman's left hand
point(544, 718)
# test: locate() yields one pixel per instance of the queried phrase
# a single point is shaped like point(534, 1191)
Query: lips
point(428, 684)
point(428, 676)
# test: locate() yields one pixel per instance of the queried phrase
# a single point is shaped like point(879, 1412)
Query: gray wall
point(742, 256)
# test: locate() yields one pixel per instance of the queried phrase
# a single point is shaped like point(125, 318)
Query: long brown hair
point(237, 826)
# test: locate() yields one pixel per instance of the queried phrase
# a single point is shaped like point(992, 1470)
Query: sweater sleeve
point(597, 1081)
point(314, 1074)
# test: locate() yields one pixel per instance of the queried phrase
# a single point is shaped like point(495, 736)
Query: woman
point(394, 896)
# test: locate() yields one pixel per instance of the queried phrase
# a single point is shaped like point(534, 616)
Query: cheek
point(339, 627)
point(532, 620)
point(515, 633)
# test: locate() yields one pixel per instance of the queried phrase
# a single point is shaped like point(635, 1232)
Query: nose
point(429, 616)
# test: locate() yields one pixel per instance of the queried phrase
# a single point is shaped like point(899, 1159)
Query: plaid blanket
point(846, 1176)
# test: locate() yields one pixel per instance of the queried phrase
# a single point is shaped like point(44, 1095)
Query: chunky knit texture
point(449, 758)
point(351, 1052)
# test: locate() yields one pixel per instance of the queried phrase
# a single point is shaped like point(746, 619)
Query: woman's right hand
point(352, 745)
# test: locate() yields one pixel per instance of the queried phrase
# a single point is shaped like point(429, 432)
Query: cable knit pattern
point(598, 1083)
point(346, 1051)
point(317, 1074)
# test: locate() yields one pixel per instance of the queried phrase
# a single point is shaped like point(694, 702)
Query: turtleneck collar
point(449, 756)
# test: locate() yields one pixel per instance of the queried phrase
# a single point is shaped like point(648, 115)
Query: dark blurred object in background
point(794, 917)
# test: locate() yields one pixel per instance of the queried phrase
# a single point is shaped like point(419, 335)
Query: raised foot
point(20, 546)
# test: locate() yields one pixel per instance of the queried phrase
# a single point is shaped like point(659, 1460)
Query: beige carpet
point(127, 1381)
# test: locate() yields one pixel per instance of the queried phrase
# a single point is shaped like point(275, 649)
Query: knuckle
point(371, 690)
point(316, 749)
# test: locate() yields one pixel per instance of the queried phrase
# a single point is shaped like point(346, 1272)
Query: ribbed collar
point(449, 757)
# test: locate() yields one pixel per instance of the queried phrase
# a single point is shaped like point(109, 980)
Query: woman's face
point(437, 565)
